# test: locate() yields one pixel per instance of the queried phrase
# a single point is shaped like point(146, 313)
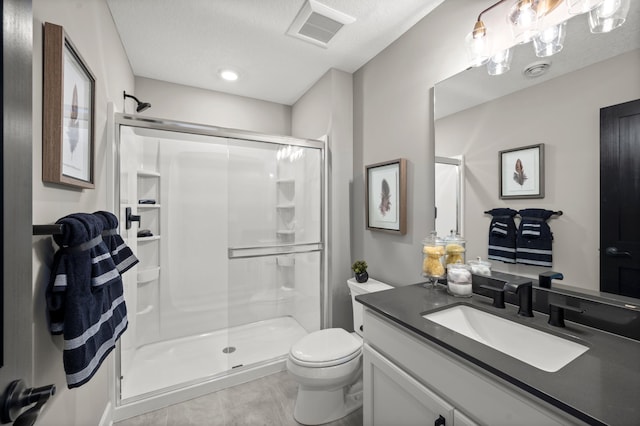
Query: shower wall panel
point(194, 295)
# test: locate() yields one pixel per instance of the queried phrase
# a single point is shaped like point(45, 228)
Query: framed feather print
point(386, 196)
point(522, 172)
point(68, 112)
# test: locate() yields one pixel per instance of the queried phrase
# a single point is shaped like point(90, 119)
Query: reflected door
point(448, 195)
point(620, 199)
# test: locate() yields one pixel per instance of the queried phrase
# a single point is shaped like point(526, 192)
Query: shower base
point(165, 365)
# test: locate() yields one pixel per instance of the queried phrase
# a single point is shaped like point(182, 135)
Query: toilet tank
point(356, 288)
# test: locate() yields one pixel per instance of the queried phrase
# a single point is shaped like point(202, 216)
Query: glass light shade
point(550, 41)
point(576, 7)
point(478, 49)
point(609, 15)
point(523, 20)
point(500, 63)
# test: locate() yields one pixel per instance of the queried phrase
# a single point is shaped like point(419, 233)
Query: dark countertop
point(601, 386)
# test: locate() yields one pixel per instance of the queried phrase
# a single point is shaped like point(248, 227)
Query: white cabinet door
point(392, 397)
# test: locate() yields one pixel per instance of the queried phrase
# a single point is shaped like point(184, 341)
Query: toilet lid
point(325, 348)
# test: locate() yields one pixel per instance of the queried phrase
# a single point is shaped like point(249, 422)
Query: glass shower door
point(275, 248)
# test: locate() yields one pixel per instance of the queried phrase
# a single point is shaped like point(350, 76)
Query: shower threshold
point(164, 365)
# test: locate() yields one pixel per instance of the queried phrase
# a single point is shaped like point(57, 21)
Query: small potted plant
point(359, 267)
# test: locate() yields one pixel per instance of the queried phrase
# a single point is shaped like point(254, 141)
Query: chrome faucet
point(524, 290)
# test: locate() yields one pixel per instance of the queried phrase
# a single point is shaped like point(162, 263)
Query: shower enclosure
point(228, 227)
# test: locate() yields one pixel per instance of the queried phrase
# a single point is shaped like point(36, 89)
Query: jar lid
point(433, 240)
point(479, 261)
point(454, 237)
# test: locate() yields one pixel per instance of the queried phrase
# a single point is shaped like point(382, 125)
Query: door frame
point(17, 188)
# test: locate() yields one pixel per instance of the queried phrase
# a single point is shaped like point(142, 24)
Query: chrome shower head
point(141, 106)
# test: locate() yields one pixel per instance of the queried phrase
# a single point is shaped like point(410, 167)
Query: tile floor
point(267, 401)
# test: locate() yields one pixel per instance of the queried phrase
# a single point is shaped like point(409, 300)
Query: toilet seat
point(325, 348)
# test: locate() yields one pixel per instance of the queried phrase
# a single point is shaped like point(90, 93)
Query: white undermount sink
point(537, 348)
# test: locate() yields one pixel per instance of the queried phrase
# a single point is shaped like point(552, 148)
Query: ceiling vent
point(317, 23)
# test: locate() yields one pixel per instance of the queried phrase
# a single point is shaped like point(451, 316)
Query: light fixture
point(577, 7)
point(525, 16)
point(550, 40)
point(477, 43)
point(609, 15)
point(228, 75)
point(499, 63)
point(523, 19)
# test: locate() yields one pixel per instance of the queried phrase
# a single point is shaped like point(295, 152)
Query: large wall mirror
point(477, 116)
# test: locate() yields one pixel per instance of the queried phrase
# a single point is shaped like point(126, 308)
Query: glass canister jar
point(459, 280)
point(454, 248)
point(432, 253)
point(479, 266)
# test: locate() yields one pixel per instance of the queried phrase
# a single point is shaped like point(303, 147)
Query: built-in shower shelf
point(145, 239)
point(148, 206)
point(285, 181)
point(148, 275)
point(148, 173)
point(286, 206)
point(285, 232)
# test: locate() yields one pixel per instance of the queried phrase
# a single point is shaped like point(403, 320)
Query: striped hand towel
point(121, 254)
point(85, 298)
point(534, 238)
point(502, 235)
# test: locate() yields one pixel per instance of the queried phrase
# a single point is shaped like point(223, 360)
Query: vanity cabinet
point(408, 380)
point(396, 398)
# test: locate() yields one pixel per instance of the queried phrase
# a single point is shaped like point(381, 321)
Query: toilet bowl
point(327, 365)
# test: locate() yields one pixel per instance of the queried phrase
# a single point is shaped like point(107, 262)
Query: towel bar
point(55, 229)
point(556, 213)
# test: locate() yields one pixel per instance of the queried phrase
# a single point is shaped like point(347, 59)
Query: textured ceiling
point(189, 41)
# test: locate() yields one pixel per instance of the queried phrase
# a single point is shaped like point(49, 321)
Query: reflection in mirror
point(477, 115)
point(448, 193)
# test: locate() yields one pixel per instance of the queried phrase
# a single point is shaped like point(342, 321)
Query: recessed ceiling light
point(228, 75)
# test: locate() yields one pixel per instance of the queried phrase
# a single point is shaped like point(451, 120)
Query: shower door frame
point(149, 401)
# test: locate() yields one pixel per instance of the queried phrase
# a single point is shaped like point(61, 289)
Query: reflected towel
point(534, 238)
point(502, 235)
point(121, 254)
point(85, 298)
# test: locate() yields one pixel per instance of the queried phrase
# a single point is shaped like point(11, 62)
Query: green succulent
point(359, 266)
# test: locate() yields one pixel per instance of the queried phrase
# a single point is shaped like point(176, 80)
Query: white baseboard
point(107, 416)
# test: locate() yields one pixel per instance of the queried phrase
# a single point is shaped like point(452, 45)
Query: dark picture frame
point(68, 128)
point(386, 196)
point(522, 172)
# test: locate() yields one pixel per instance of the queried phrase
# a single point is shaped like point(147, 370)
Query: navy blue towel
point(85, 297)
point(534, 238)
point(502, 235)
point(121, 254)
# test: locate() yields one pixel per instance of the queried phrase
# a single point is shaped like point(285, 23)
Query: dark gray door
point(17, 141)
point(620, 199)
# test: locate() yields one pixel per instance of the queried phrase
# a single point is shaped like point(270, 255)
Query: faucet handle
point(544, 279)
point(497, 294)
point(556, 313)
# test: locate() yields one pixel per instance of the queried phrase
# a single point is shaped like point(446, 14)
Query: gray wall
point(392, 119)
point(327, 109)
point(89, 25)
point(190, 104)
point(564, 114)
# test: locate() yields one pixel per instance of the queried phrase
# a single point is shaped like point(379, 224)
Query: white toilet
point(327, 365)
